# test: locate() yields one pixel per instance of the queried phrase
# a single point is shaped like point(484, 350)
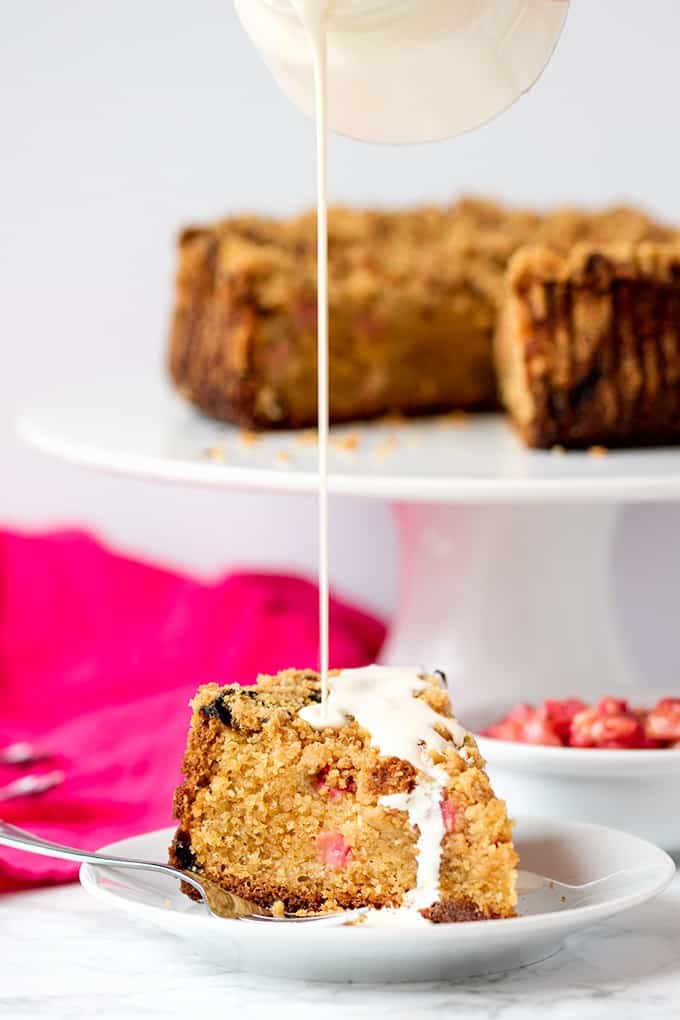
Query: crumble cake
point(588, 345)
point(384, 802)
point(414, 298)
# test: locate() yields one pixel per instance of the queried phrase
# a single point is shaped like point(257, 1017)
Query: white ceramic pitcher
point(409, 70)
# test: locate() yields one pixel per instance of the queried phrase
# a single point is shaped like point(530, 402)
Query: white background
point(120, 121)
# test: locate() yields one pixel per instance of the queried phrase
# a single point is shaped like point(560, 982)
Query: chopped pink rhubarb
point(449, 814)
point(559, 714)
point(525, 724)
point(610, 723)
point(333, 851)
point(663, 722)
point(305, 313)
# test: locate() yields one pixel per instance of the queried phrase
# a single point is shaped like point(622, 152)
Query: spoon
point(219, 902)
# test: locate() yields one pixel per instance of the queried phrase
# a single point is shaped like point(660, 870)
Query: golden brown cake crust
point(264, 792)
point(588, 345)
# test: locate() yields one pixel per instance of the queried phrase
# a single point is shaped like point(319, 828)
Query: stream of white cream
point(381, 699)
point(313, 16)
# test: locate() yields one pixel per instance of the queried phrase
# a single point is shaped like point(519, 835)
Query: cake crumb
point(278, 909)
point(350, 442)
point(597, 451)
point(283, 458)
point(385, 448)
point(557, 450)
point(248, 437)
point(308, 437)
point(215, 453)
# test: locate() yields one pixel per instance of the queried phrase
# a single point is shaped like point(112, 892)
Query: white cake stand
point(505, 553)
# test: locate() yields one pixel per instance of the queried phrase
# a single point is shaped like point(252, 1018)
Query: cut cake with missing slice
point(282, 805)
point(414, 299)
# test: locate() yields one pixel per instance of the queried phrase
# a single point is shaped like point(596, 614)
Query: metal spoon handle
point(20, 839)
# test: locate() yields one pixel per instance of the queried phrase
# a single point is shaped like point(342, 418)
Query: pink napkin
point(99, 656)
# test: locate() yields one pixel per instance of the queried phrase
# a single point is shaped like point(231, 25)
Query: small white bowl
point(636, 790)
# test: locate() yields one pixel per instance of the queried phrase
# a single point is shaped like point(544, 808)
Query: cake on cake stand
point(505, 572)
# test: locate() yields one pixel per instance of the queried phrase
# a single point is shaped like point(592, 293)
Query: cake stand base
point(512, 601)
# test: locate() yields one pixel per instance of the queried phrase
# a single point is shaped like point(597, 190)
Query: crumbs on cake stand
point(308, 437)
point(348, 443)
point(385, 447)
point(248, 437)
point(216, 453)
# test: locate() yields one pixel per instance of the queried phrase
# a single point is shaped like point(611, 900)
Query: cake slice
point(382, 802)
point(588, 345)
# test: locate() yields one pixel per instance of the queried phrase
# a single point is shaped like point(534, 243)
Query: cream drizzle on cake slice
point(382, 700)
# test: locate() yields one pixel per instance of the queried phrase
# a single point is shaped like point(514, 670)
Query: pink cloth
point(99, 656)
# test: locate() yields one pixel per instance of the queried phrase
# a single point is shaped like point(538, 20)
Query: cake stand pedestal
point(506, 554)
point(510, 599)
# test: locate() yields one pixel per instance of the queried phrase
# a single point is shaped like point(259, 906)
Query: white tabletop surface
point(62, 955)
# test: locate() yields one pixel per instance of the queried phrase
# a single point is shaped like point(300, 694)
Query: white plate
point(567, 851)
point(140, 428)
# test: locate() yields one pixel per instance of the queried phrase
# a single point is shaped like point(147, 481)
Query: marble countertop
point(63, 955)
